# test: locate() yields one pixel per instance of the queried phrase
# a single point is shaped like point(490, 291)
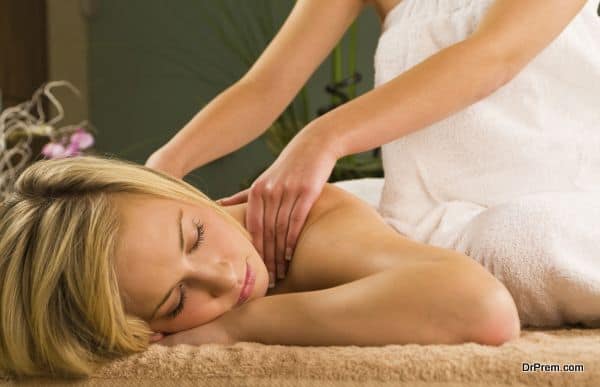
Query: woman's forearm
point(234, 118)
point(432, 90)
point(430, 302)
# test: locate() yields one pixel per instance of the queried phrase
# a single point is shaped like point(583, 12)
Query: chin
point(264, 287)
point(261, 283)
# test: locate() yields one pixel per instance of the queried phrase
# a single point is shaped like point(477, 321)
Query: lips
point(247, 286)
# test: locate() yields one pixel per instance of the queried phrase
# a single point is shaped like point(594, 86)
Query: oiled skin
point(355, 280)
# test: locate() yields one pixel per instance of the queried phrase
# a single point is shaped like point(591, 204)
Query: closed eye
point(179, 307)
point(199, 235)
point(199, 238)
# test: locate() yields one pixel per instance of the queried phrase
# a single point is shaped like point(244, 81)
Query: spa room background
point(144, 68)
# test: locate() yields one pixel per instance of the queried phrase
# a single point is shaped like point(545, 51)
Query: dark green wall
point(153, 64)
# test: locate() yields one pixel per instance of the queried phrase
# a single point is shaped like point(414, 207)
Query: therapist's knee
point(518, 232)
point(519, 243)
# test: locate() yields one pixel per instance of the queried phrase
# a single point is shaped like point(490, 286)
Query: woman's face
point(157, 260)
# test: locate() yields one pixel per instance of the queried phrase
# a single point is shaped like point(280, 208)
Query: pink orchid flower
point(78, 141)
point(82, 139)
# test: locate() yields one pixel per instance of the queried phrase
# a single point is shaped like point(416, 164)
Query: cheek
point(196, 313)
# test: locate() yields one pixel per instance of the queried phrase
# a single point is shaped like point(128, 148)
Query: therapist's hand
point(280, 199)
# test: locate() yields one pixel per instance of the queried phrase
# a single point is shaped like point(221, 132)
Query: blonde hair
point(61, 312)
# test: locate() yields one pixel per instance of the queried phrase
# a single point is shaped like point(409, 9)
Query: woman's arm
point(508, 37)
point(354, 280)
point(444, 301)
point(245, 110)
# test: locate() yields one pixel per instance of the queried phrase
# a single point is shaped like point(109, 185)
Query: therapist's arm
point(245, 110)
point(511, 34)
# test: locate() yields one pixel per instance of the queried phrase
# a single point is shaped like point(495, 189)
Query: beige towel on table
point(412, 365)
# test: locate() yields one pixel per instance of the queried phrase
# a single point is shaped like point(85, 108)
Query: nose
point(217, 277)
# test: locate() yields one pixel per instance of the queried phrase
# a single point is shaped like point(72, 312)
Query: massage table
point(540, 357)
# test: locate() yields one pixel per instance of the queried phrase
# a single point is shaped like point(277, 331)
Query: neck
point(238, 212)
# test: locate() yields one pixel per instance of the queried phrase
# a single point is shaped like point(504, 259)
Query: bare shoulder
point(337, 209)
point(330, 199)
point(345, 239)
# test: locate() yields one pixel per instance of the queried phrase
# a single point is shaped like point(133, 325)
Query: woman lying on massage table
point(100, 257)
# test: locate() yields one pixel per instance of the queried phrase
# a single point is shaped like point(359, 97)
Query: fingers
point(165, 340)
point(271, 201)
point(240, 197)
point(254, 221)
point(156, 337)
point(281, 226)
point(297, 218)
point(274, 218)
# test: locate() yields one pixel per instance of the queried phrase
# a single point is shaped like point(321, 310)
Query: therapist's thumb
point(240, 197)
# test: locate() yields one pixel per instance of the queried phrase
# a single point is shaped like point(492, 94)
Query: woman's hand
point(218, 331)
point(280, 199)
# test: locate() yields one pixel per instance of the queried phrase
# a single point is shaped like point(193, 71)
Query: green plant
point(356, 166)
point(246, 28)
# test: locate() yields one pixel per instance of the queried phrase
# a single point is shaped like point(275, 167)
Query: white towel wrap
point(512, 180)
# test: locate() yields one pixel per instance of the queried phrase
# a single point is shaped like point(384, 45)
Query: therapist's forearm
point(234, 118)
point(432, 90)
